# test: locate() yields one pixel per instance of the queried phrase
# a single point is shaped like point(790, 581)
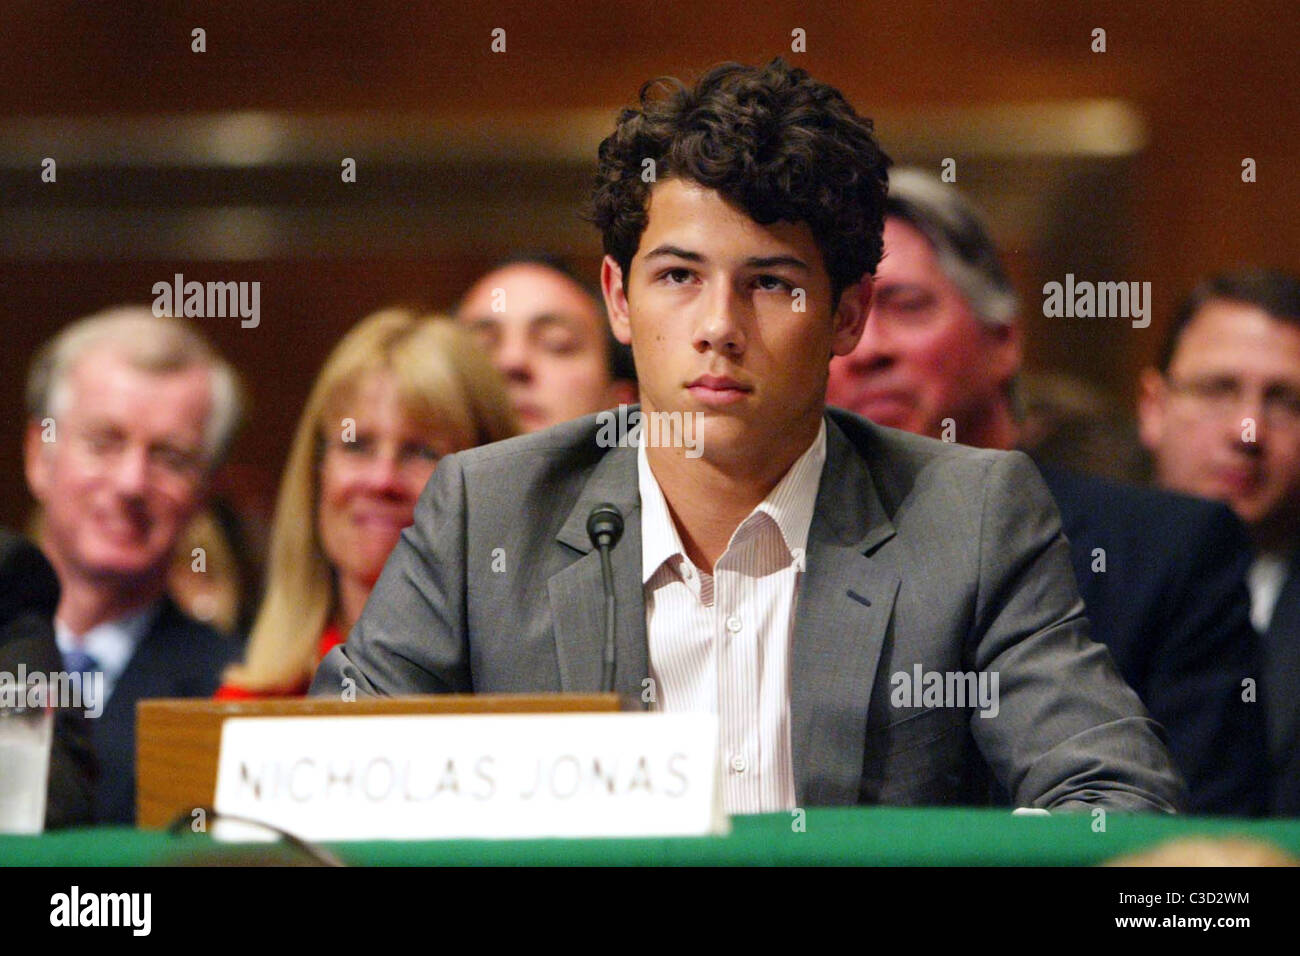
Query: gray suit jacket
point(920, 552)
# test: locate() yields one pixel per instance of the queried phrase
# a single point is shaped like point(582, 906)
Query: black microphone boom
point(605, 528)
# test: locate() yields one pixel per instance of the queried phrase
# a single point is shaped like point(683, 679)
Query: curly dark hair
point(770, 139)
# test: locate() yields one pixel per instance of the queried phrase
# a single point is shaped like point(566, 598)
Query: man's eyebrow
point(676, 252)
point(175, 443)
point(482, 321)
point(547, 319)
point(753, 262)
point(894, 288)
point(768, 262)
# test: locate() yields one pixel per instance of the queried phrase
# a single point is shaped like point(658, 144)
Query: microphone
point(604, 528)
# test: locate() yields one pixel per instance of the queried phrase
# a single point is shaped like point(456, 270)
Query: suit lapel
point(845, 603)
point(577, 596)
point(139, 678)
point(1284, 626)
point(1280, 649)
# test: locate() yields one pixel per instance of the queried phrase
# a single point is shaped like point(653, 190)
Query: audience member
point(395, 395)
point(1221, 416)
point(29, 594)
point(1161, 575)
point(547, 334)
point(128, 414)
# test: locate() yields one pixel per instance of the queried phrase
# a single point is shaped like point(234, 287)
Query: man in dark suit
point(1220, 413)
point(29, 593)
point(128, 413)
point(1161, 575)
point(797, 573)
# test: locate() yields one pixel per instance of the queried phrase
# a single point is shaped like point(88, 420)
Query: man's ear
point(851, 316)
point(1008, 349)
point(36, 462)
point(613, 288)
point(1153, 394)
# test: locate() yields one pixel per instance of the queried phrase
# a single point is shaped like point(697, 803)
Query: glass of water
point(25, 735)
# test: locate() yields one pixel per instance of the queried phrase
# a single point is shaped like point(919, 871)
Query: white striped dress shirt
point(721, 643)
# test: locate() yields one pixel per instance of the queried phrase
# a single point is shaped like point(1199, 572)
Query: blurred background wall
point(226, 164)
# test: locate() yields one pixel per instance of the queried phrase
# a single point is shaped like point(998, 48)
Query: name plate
point(488, 776)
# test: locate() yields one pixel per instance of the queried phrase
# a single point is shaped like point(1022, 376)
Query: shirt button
point(688, 572)
point(733, 624)
point(739, 764)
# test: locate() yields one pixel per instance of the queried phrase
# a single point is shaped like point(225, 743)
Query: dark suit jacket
point(920, 553)
point(29, 596)
point(1281, 693)
point(178, 657)
point(1173, 608)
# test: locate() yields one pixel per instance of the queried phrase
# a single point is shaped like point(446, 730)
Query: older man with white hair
point(128, 414)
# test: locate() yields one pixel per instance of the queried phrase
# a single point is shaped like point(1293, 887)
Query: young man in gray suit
point(875, 617)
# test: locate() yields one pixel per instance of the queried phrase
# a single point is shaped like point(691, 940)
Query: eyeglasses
point(365, 450)
point(104, 449)
point(1222, 398)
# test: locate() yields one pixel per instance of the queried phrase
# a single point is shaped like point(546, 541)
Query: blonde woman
point(396, 394)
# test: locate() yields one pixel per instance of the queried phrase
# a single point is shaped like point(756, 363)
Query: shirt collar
point(659, 538)
point(790, 504)
point(110, 643)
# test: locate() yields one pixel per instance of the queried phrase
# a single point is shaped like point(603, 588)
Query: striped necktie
point(79, 662)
